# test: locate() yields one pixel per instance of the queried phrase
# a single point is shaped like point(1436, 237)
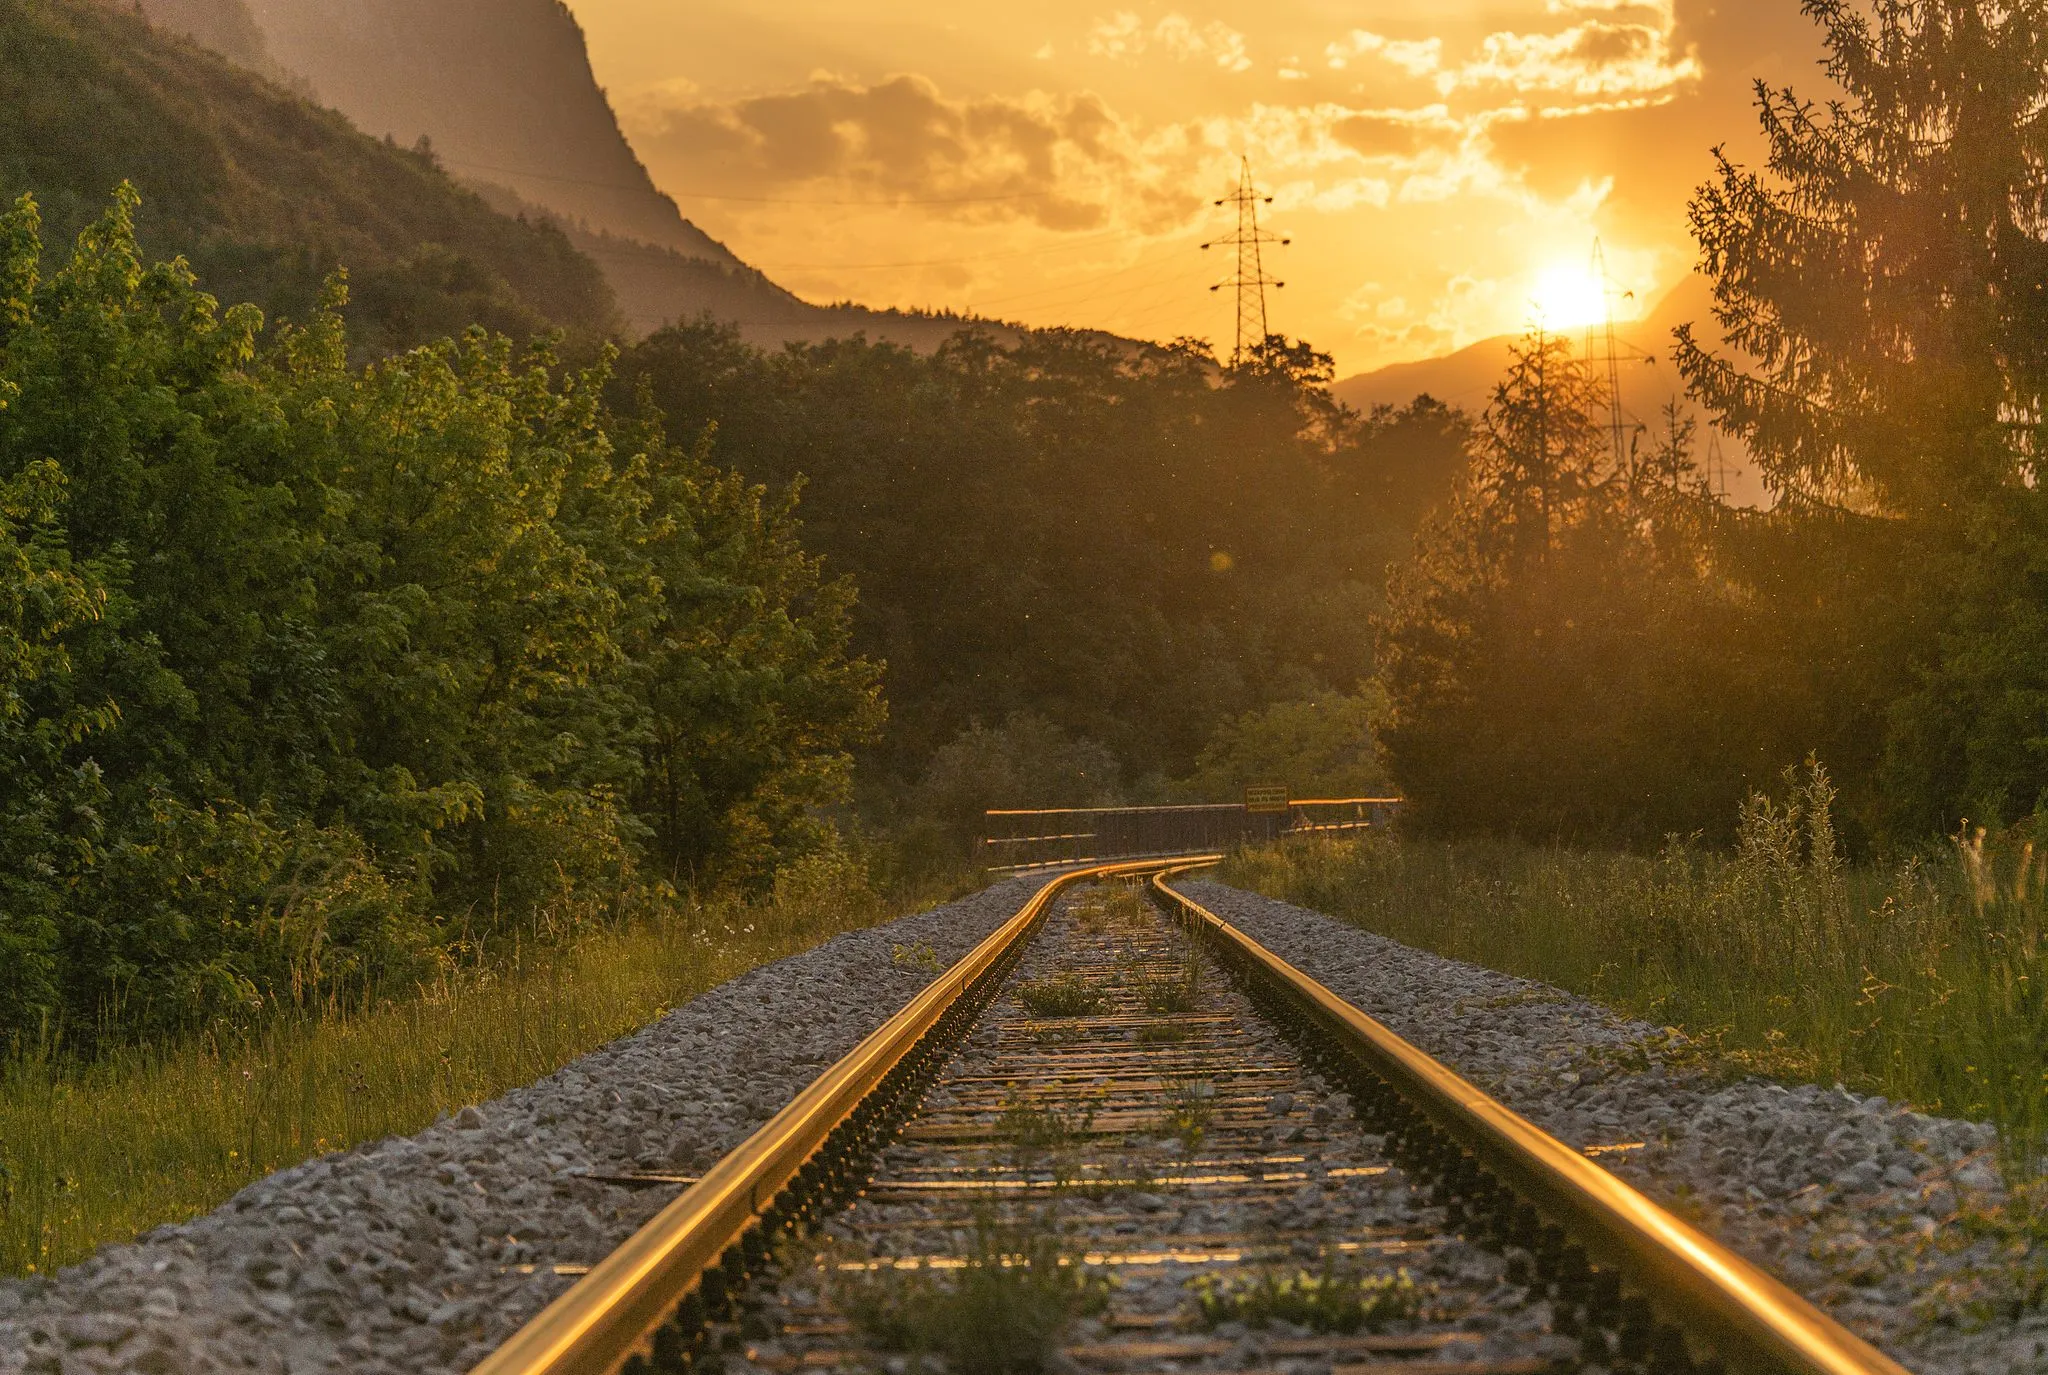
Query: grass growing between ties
point(1923, 981)
point(1061, 995)
point(1332, 1300)
point(1000, 1314)
point(99, 1153)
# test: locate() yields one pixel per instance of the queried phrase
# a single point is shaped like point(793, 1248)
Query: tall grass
point(1923, 981)
point(101, 1151)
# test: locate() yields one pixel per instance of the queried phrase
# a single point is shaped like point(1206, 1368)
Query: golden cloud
point(1123, 36)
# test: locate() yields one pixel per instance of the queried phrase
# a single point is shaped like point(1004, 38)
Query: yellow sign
point(1265, 797)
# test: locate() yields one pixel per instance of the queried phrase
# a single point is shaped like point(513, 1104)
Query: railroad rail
point(1167, 1101)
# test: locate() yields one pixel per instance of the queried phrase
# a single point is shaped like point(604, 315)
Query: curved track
point(1123, 1137)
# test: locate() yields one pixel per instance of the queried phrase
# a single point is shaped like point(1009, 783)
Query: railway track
point(1120, 1136)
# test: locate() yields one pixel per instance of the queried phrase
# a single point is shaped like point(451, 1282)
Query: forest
point(1587, 646)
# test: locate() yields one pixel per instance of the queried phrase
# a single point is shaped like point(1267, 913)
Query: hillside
point(504, 94)
point(263, 192)
point(1466, 378)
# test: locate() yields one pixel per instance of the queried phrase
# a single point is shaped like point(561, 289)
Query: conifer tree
point(1885, 273)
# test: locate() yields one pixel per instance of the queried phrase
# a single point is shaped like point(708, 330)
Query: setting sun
point(1566, 296)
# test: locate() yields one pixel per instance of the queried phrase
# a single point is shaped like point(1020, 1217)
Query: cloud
point(1123, 37)
point(1415, 57)
point(1063, 161)
point(1594, 58)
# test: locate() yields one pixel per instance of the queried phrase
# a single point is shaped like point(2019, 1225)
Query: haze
point(1443, 169)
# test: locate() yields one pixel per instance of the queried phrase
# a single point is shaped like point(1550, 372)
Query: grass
point(1333, 1300)
point(99, 1153)
point(1923, 981)
point(1001, 1314)
point(1061, 995)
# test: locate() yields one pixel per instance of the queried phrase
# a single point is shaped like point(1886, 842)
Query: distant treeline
point(312, 675)
point(1597, 650)
point(1091, 566)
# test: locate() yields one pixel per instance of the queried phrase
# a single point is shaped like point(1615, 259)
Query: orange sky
point(1441, 167)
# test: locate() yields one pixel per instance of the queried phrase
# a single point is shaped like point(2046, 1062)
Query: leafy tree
point(1128, 542)
point(310, 673)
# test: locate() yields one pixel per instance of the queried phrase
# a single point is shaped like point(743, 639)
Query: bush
point(311, 676)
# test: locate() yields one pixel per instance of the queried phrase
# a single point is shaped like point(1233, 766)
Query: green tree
point(1880, 285)
point(311, 672)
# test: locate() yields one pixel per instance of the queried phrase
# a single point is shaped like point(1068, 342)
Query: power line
point(1250, 279)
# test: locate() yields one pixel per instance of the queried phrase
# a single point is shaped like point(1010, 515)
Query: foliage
point(1332, 1300)
point(1000, 1314)
point(314, 676)
point(1920, 981)
point(1062, 995)
point(1323, 747)
point(1879, 286)
point(263, 191)
point(1563, 653)
point(1123, 542)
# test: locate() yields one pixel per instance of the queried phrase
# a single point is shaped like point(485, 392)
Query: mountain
point(503, 91)
point(503, 94)
point(262, 191)
point(1467, 377)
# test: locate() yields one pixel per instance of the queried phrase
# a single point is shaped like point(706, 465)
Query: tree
point(1882, 284)
point(1557, 652)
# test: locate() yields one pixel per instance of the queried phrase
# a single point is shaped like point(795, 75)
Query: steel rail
point(610, 1313)
point(1748, 1319)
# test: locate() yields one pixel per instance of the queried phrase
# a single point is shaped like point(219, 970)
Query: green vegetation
point(314, 679)
point(1078, 556)
point(97, 1153)
point(1061, 995)
point(1920, 981)
point(1592, 649)
point(1001, 1314)
point(1334, 1300)
point(263, 192)
point(1177, 988)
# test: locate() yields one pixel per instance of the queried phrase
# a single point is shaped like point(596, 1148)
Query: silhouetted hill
point(502, 88)
point(262, 191)
point(503, 92)
point(1466, 378)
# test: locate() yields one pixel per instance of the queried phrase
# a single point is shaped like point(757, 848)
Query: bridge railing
point(1035, 838)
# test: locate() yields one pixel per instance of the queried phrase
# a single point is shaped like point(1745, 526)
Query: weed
point(1331, 1301)
point(1032, 1130)
point(1190, 1107)
point(1001, 1314)
point(1919, 981)
point(1062, 995)
point(920, 957)
point(1162, 1033)
point(1176, 991)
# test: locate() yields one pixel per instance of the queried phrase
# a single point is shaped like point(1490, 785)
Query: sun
point(1567, 296)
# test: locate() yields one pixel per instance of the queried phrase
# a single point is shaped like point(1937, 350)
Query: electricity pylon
point(1250, 279)
point(1610, 356)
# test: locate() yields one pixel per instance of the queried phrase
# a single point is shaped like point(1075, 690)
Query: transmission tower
point(1250, 279)
point(1610, 356)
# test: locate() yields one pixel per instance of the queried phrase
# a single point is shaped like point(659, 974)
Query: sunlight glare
point(1567, 296)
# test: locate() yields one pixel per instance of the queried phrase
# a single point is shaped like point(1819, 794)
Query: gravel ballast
point(418, 1254)
point(1884, 1216)
point(406, 1255)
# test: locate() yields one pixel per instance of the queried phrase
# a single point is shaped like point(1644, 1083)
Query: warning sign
point(1265, 797)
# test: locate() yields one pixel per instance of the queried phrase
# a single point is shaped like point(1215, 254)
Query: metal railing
point(1035, 838)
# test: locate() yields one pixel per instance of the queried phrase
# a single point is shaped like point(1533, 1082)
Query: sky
point(1442, 169)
